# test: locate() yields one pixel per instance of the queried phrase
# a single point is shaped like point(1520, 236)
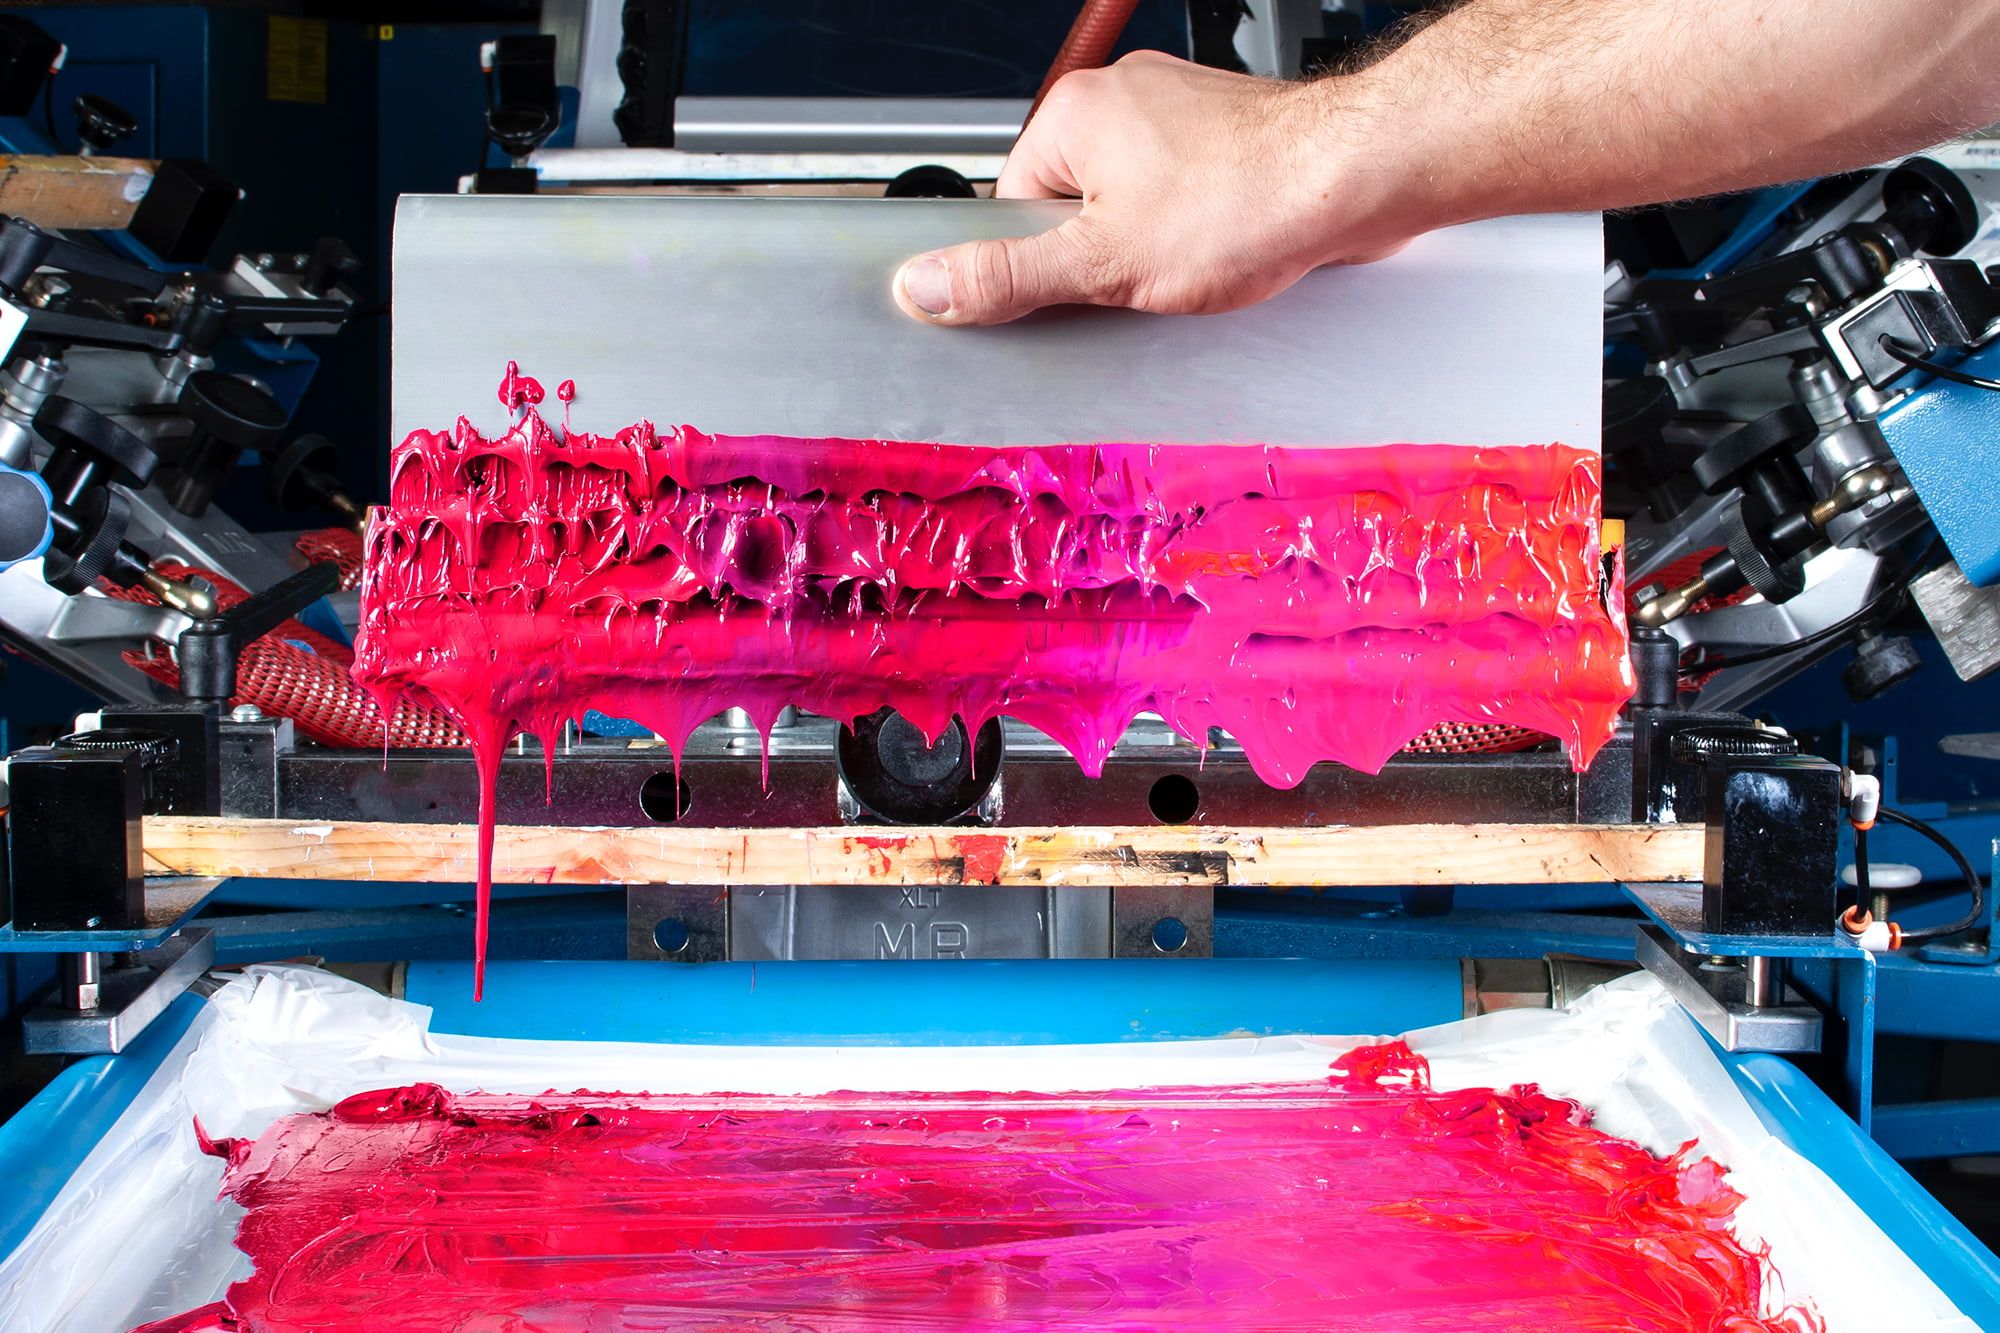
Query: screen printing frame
point(1041, 1002)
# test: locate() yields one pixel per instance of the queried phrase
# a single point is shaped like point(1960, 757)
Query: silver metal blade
point(747, 315)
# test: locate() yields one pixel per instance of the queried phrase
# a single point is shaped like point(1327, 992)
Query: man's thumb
point(991, 282)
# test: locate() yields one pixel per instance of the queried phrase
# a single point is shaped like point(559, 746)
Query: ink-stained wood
point(1409, 854)
point(96, 193)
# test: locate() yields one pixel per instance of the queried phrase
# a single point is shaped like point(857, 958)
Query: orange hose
point(1096, 30)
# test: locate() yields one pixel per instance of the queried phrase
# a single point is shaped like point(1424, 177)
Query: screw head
point(246, 713)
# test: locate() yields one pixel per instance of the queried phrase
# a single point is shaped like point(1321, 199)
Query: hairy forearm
point(1513, 106)
point(1204, 191)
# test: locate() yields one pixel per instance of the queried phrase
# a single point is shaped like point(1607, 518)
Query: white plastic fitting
point(1876, 938)
point(1864, 797)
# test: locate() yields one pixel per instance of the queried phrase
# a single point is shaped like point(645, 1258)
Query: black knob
point(1880, 661)
point(156, 751)
point(229, 416)
point(519, 129)
point(209, 648)
point(89, 544)
point(1698, 745)
point(1635, 411)
point(90, 448)
point(1928, 203)
point(1656, 663)
point(1775, 577)
point(329, 262)
point(1776, 435)
point(232, 410)
point(304, 475)
point(103, 123)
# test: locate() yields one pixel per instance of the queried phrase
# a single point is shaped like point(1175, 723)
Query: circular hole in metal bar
point(1170, 934)
point(671, 935)
point(663, 798)
point(1174, 799)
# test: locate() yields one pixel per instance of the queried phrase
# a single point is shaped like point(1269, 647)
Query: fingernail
point(927, 284)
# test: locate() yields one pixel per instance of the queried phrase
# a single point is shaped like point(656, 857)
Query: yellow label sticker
point(295, 60)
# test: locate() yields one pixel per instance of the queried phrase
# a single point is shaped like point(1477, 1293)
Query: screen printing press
point(782, 883)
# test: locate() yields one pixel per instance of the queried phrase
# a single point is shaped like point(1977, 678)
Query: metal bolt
point(46, 288)
point(262, 261)
point(246, 713)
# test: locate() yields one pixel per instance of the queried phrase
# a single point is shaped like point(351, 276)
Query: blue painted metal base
point(940, 1003)
point(1944, 435)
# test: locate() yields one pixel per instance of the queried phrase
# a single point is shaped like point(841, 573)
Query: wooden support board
point(1402, 854)
point(95, 193)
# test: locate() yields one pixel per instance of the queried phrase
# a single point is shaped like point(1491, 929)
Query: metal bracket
point(682, 923)
point(127, 999)
point(1716, 993)
point(1154, 921)
point(704, 923)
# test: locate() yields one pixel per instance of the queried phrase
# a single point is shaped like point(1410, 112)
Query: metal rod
point(1764, 981)
point(82, 976)
point(847, 124)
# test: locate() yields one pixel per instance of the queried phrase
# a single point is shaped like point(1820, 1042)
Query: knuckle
point(1075, 85)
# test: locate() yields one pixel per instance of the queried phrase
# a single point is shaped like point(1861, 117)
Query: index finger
point(1035, 169)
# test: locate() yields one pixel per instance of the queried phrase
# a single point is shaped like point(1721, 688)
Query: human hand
point(1202, 191)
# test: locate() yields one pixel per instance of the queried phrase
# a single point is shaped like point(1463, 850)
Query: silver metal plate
point(1791, 1028)
point(918, 921)
point(700, 924)
point(1965, 619)
point(129, 998)
point(748, 315)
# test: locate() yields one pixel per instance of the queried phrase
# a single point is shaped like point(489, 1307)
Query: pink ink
point(517, 390)
point(1364, 1202)
point(1317, 604)
point(566, 393)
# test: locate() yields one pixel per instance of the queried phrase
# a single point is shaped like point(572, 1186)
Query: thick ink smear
point(1316, 604)
point(1369, 1202)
